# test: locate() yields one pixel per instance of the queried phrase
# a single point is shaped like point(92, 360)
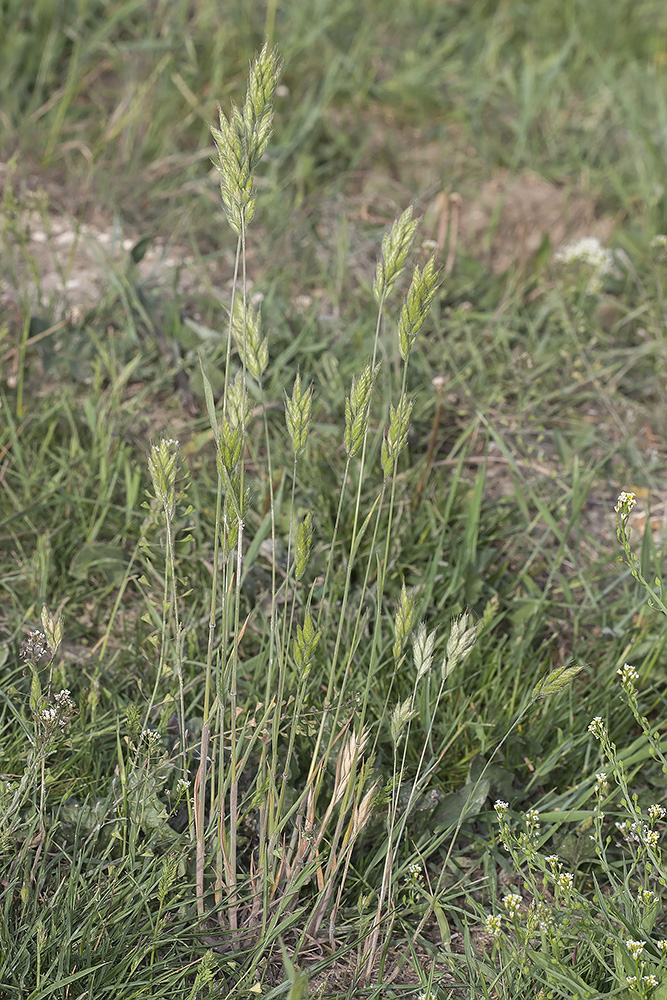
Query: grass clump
point(262, 803)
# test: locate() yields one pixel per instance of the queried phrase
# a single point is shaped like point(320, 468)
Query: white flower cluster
point(55, 718)
point(638, 833)
point(597, 728)
point(646, 897)
point(635, 947)
point(533, 819)
point(512, 902)
point(627, 674)
point(415, 872)
point(625, 502)
point(587, 253)
point(565, 881)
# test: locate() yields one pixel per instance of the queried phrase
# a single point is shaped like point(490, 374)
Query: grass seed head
point(400, 717)
point(405, 613)
point(298, 415)
point(396, 437)
point(422, 650)
point(416, 306)
point(462, 638)
point(242, 139)
point(304, 540)
point(252, 347)
point(395, 249)
point(356, 409)
point(163, 467)
point(53, 630)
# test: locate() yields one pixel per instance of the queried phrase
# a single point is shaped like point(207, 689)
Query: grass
point(304, 594)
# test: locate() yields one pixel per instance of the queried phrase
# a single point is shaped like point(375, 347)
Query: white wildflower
point(589, 254)
point(635, 947)
point(493, 924)
point(597, 728)
point(627, 674)
point(512, 902)
point(625, 503)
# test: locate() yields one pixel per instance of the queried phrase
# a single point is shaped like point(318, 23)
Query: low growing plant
point(595, 927)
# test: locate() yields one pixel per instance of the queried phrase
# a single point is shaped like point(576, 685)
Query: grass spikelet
point(462, 638)
point(304, 540)
point(298, 415)
point(163, 468)
point(397, 436)
point(396, 246)
point(242, 139)
point(422, 651)
point(403, 622)
point(415, 309)
point(356, 409)
point(252, 347)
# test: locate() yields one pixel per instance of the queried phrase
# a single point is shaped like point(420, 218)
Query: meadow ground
point(329, 667)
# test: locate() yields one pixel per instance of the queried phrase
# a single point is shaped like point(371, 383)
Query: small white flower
point(627, 674)
point(493, 924)
point(589, 253)
point(647, 897)
point(650, 837)
point(597, 728)
point(635, 947)
point(415, 872)
point(650, 980)
point(512, 902)
point(661, 945)
point(625, 502)
point(501, 807)
point(565, 881)
point(656, 812)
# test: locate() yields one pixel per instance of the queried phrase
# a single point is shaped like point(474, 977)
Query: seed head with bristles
point(53, 630)
point(243, 137)
point(462, 638)
point(416, 306)
point(304, 540)
point(395, 249)
point(163, 467)
point(403, 621)
point(364, 810)
point(297, 415)
point(422, 650)
point(356, 409)
point(305, 644)
point(347, 761)
point(400, 717)
point(246, 330)
point(396, 437)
